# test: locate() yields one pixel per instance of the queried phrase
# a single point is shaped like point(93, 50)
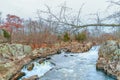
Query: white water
point(69, 67)
point(39, 69)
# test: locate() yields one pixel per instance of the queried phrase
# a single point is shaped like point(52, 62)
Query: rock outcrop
point(10, 55)
point(109, 58)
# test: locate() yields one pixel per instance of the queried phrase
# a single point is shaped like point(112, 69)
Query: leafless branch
point(116, 3)
point(78, 16)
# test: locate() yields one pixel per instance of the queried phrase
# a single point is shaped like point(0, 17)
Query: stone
point(38, 51)
point(18, 76)
point(48, 58)
point(118, 67)
point(3, 69)
point(58, 52)
point(34, 77)
point(117, 52)
point(41, 60)
point(30, 66)
point(16, 50)
point(65, 56)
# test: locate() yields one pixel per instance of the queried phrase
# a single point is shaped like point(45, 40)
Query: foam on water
point(39, 69)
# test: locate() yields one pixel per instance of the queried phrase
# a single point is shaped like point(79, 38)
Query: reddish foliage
point(12, 21)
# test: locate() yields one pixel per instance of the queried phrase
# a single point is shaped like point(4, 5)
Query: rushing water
point(69, 67)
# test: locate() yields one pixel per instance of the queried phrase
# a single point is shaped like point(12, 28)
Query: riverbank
point(109, 58)
point(18, 55)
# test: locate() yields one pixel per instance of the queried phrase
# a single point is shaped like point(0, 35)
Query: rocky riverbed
point(14, 56)
point(109, 58)
point(66, 66)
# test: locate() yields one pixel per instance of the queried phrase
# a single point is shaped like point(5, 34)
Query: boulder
point(109, 58)
point(30, 66)
point(14, 50)
point(10, 57)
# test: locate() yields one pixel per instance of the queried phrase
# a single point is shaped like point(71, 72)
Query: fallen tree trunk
point(105, 25)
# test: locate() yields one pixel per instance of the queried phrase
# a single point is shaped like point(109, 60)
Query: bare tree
point(115, 16)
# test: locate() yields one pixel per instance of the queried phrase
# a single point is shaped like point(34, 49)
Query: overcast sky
point(28, 8)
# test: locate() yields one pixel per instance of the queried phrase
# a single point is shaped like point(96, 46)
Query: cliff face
point(109, 58)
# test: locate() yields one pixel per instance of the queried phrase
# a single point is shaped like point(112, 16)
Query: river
point(69, 66)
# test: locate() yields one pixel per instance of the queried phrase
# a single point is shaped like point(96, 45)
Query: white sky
point(28, 8)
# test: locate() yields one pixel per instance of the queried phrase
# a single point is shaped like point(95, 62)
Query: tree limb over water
point(64, 19)
point(105, 25)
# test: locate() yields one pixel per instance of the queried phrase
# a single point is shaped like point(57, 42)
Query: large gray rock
point(10, 55)
point(14, 50)
point(109, 58)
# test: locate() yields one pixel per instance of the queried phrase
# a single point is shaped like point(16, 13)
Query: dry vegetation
point(40, 34)
point(47, 31)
